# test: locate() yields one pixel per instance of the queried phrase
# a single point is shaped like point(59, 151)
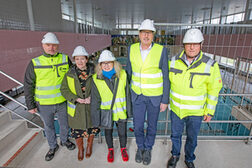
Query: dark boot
point(70, 145)
point(189, 164)
point(139, 155)
point(50, 154)
point(79, 142)
point(173, 162)
point(89, 145)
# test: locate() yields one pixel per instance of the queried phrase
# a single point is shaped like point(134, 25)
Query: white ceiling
point(108, 12)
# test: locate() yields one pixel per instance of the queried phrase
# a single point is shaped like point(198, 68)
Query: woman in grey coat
point(111, 101)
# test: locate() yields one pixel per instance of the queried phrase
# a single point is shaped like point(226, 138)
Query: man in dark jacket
point(42, 82)
point(147, 68)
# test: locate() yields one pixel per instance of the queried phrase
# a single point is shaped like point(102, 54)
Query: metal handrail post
point(11, 78)
point(22, 117)
point(99, 138)
point(9, 97)
point(249, 139)
point(166, 126)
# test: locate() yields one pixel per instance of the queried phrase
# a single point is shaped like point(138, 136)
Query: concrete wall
point(67, 26)
point(12, 11)
point(46, 14)
point(19, 47)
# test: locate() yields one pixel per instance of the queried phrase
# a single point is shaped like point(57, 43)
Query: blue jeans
point(47, 113)
point(193, 124)
point(141, 106)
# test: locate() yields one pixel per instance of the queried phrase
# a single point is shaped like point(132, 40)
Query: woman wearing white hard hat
point(76, 88)
point(110, 101)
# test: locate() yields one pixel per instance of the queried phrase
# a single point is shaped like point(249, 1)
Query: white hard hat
point(106, 55)
point(80, 51)
point(193, 36)
point(50, 38)
point(147, 24)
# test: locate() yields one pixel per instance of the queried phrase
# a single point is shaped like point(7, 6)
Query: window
point(230, 19)
point(215, 21)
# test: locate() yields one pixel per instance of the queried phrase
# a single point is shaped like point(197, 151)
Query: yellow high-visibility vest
point(194, 89)
point(119, 108)
point(70, 106)
point(147, 78)
point(49, 73)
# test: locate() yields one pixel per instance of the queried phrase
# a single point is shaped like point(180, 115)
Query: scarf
point(109, 74)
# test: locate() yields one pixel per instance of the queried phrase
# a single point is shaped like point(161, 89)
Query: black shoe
point(172, 162)
point(146, 157)
point(50, 154)
point(139, 155)
point(70, 145)
point(189, 164)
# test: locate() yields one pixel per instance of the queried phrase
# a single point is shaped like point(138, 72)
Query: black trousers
point(122, 133)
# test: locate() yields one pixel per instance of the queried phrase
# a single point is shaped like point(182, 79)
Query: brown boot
point(89, 145)
point(79, 142)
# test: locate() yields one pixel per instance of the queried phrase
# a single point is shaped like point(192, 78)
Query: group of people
point(87, 98)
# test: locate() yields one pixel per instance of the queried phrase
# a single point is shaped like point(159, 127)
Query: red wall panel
point(227, 45)
point(17, 48)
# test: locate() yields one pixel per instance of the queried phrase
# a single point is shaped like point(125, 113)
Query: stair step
point(18, 149)
point(4, 118)
point(11, 132)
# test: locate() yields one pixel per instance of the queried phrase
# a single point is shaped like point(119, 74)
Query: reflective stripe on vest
point(157, 75)
point(147, 78)
point(208, 65)
point(70, 106)
point(49, 73)
point(211, 107)
point(173, 62)
point(48, 87)
point(48, 96)
point(188, 107)
point(214, 98)
point(116, 101)
point(195, 98)
point(119, 108)
point(146, 86)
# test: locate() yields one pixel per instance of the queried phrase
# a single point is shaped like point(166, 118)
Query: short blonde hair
point(117, 66)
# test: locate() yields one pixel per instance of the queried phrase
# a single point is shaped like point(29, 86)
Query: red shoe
point(110, 155)
point(124, 153)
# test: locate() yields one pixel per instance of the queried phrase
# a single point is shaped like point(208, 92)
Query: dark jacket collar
point(103, 77)
point(49, 55)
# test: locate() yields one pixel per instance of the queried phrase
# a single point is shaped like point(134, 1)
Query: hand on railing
point(33, 110)
point(163, 107)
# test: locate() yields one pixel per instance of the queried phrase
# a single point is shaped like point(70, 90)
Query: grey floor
point(210, 154)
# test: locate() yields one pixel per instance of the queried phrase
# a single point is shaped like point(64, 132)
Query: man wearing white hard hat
point(111, 101)
point(147, 69)
point(195, 84)
point(42, 83)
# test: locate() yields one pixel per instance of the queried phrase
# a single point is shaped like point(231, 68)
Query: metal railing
point(17, 102)
point(225, 125)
